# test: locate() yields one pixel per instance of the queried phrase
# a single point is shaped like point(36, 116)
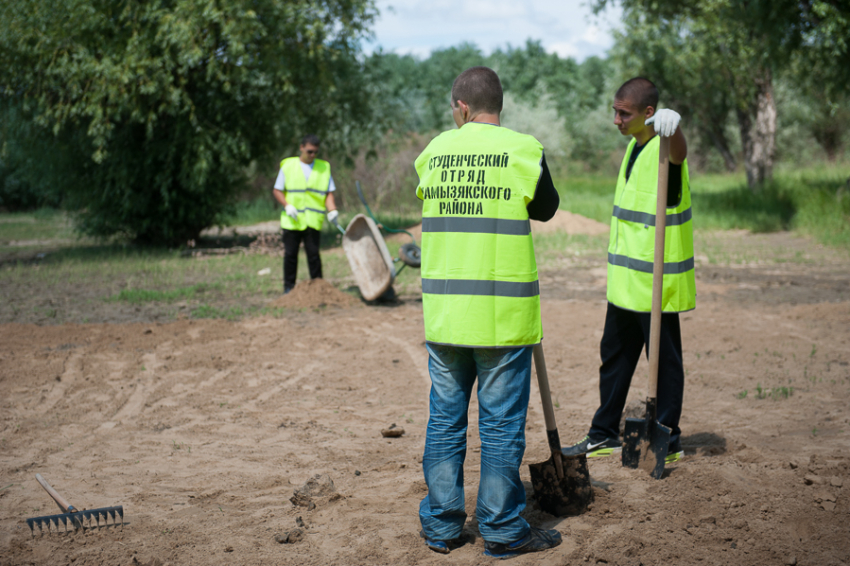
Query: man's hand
point(291, 212)
point(332, 216)
point(665, 121)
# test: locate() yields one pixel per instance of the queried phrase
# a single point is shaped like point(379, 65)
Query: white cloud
point(596, 36)
point(564, 49)
point(566, 27)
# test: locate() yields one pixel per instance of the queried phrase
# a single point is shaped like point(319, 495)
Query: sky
point(566, 27)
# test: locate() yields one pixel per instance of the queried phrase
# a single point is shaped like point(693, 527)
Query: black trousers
point(291, 242)
point(626, 334)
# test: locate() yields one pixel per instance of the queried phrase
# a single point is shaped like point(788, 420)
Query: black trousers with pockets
point(626, 334)
point(291, 243)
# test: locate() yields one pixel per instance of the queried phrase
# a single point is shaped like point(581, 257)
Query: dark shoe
point(285, 291)
point(594, 448)
point(441, 546)
point(535, 541)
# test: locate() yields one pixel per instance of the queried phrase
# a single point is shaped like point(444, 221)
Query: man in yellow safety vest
point(630, 257)
point(304, 187)
point(479, 185)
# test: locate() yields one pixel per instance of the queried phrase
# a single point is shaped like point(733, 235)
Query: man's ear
point(649, 112)
point(464, 109)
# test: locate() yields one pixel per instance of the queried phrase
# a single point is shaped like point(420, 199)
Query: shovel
point(562, 483)
point(646, 441)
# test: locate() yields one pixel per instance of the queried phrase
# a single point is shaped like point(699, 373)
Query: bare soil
point(205, 429)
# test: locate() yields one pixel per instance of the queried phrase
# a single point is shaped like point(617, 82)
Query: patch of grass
point(42, 224)
point(139, 296)
point(263, 209)
point(590, 195)
point(725, 202)
point(227, 313)
point(815, 201)
point(775, 393)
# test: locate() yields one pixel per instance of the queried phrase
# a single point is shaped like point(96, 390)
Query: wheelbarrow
point(373, 267)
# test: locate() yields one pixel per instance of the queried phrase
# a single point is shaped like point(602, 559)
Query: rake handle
point(66, 507)
point(658, 265)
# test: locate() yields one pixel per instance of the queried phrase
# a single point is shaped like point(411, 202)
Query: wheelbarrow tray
point(368, 257)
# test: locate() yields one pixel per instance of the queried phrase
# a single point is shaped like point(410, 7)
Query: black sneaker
point(594, 448)
point(535, 541)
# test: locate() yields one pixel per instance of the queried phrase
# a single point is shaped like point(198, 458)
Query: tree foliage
point(163, 104)
point(412, 94)
point(714, 57)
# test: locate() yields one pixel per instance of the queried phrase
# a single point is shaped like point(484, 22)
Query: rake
point(87, 518)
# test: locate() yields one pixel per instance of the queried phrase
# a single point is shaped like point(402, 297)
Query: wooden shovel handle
point(658, 265)
point(543, 384)
point(66, 507)
point(548, 409)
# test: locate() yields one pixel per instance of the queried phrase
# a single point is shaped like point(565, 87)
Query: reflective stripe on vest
point(477, 225)
point(647, 266)
point(306, 195)
point(632, 242)
point(479, 276)
point(649, 219)
point(467, 287)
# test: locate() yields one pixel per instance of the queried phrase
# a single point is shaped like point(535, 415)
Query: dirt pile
point(315, 293)
point(319, 486)
point(572, 224)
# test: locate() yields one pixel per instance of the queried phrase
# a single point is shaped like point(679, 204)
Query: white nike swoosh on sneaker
point(592, 446)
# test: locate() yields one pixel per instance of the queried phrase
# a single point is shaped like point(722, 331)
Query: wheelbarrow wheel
point(411, 255)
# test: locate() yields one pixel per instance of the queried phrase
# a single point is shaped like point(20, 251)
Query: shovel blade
point(645, 445)
point(565, 496)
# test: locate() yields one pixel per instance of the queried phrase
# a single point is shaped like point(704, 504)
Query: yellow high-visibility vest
point(479, 275)
point(307, 195)
point(632, 242)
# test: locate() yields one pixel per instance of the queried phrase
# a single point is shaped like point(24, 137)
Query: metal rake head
point(86, 519)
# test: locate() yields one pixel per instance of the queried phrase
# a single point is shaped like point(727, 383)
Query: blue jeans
point(503, 388)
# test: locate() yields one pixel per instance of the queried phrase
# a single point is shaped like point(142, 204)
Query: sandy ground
point(204, 429)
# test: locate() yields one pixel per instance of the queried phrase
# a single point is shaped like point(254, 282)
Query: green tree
point(681, 68)
point(437, 73)
point(163, 104)
point(738, 47)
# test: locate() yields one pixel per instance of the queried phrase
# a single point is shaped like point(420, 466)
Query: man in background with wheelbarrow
point(479, 185)
point(304, 187)
point(630, 266)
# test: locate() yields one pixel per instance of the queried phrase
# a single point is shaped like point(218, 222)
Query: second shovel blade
point(645, 445)
point(565, 496)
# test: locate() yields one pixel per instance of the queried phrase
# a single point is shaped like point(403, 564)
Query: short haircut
point(312, 139)
point(640, 91)
point(480, 88)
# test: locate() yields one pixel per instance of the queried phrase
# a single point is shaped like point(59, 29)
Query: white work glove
point(291, 211)
point(332, 216)
point(666, 121)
